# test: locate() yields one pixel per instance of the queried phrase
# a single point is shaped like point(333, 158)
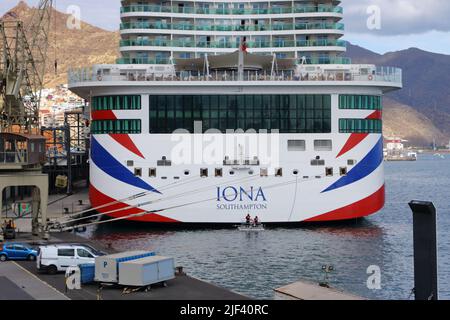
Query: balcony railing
point(382, 74)
point(315, 60)
point(231, 11)
point(280, 43)
point(261, 27)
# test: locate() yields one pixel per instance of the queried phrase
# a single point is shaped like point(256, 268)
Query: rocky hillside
point(420, 112)
point(426, 81)
point(71, 47)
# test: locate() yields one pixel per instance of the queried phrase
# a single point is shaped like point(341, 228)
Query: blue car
point(17, 251)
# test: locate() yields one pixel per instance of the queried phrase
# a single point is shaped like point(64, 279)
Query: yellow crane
point(23, 52)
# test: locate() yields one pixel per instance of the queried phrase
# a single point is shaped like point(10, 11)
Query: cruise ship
point(216, 110)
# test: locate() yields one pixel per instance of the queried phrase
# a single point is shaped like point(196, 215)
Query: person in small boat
point(256, 221)
point(248, 219)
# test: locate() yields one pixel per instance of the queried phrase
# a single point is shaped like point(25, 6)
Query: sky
point(378, 25)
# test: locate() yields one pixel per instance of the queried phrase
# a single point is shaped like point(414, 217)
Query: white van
point(54, 258)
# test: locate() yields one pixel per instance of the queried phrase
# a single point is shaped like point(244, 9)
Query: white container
point(146, 271)
point(106, 267)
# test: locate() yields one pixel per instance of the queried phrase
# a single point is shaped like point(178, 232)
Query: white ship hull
point(175, 197)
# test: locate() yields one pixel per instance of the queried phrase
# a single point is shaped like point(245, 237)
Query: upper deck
point(83, 81)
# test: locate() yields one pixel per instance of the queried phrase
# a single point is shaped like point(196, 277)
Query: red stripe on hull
point(362, 208)
point(356, 138)
point(98, 199)
point(125, 141)
point(377, 115)
point(103, 115)
point(353, 141)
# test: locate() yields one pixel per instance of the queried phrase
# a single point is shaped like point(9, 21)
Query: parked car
point(56, 258)
point(17, 251)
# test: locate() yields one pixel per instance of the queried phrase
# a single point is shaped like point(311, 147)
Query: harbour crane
point(23, 53)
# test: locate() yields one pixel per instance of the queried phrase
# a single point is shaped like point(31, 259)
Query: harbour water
point(255, 263)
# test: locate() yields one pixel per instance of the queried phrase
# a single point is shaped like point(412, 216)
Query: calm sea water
point(255, 264)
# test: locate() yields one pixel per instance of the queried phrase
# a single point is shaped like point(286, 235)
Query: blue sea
point(254, 264)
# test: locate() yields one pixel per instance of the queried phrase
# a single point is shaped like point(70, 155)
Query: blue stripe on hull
point(108, 164)
point(364, 168)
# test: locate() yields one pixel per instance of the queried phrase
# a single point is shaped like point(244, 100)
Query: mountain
point(400, 120)
point(426, 82)
point(420, 112)
point(69, 46)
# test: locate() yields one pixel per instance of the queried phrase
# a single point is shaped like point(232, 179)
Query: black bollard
point(425, 250)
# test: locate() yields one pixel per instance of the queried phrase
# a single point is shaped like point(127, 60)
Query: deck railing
point(231, 11)
point(382, 74)
point(142, 25)
point(276, 43)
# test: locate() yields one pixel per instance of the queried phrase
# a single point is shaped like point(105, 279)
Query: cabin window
point(116, 103)
point(122, 126)
point(329, 172)
point(360, 126)
point(351, 162)
point(152, 172)
point(362, 102)
point(286, 113)
point(130, 163)
point(295, 172)
point(203, 172)
point(343, 171)
point(219, 172)
point(296, 145)
point(263, 172)
point(323, 145)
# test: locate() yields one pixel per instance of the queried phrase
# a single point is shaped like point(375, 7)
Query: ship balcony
point(231, 11)
point(128, 45)
point(143, 26)
point(315, 60)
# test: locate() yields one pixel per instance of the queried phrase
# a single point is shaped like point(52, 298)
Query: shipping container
point(146, 271)
point(107, 267)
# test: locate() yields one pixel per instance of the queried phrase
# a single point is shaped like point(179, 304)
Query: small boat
point(251, 227)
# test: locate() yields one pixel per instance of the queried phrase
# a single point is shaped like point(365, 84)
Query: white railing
point(382, 74)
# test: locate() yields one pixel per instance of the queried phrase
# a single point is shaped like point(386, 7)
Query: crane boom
point(23, 54)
